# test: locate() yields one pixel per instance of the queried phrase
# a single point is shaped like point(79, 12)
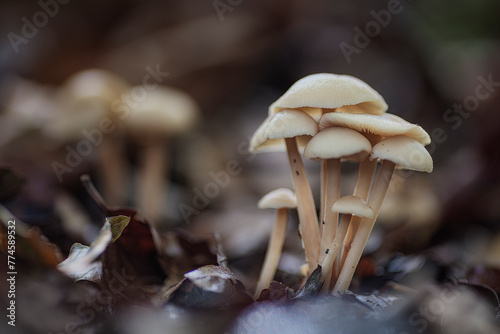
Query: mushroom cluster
point(335, 118)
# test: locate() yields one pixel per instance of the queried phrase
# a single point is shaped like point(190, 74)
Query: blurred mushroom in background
point(410, 213)
point(86, 116)
point(160, 115)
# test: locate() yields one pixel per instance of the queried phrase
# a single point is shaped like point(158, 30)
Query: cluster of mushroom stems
point(332, 119)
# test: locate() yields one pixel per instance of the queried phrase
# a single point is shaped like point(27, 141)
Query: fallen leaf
point(80, 263)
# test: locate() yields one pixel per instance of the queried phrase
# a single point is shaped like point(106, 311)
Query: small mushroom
point(162, 114)
point(332, 145)
point(86, 100)
point(280, 199)
point(288, 125)
point(318, 93)
point(348, 206)
point(398, 151)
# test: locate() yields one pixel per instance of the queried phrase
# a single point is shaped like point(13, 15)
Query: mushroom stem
point(323, 198)
point(273, 252)
point(365, 227)
point(333, 250)
point(332, 194)
point(113, 171)
point(308, 220)
point(365, 178)
point(151, 181)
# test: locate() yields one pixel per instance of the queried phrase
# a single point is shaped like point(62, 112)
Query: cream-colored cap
point(352, 205)
point(84, 100)
point(405, 152)
point(337, 142)
point(278, 199)
point(165, 110)
point(330, 91)
point(287, 124)
point(385, 125)
point(94, 84)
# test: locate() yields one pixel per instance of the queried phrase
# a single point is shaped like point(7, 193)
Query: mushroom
point(321, 93)
point(288, 125)
point(331, 145)
point(317, 93)
point(280, 199)
point(348, 206)
point(375, 128)
point(86, 100)
point(162, 114)
point(398, 151)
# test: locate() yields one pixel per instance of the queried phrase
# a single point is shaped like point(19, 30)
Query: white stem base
point(273, 252)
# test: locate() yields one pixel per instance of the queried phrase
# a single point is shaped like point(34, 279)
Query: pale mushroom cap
point(337, 142)
point(278, 199)
point(293, 123)
point(329, 91)
point(353, 205)
point(94, 84)
point(278, 145)
point(84, 100)
point(258, 139)
point(385, 125)
point(406, 152)
point(164, 110)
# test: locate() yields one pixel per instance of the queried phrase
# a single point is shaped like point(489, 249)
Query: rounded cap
point(258, 142)
point(291, 123)
point(353, 205)
point(329, 91)
point(405, 152)
point(336, 142)
point(288, 124)
point(164, 110)
point(85, 99)
point(94, 84)
point(278, 199)
point(385, 125)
